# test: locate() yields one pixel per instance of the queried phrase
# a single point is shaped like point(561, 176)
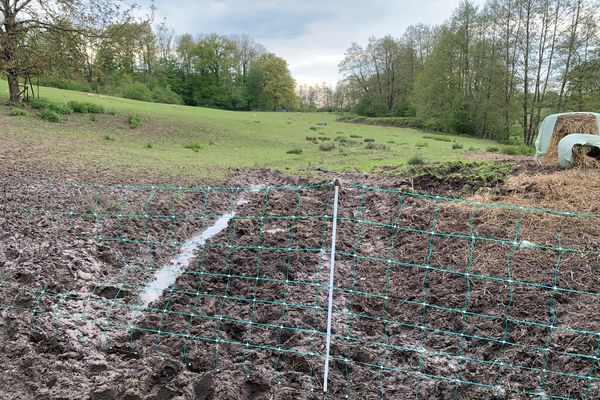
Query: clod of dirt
point(104, 394)
point(165, 393)
point(255, 387)
point(203, 388)
point(111, 292)
point(166, 372)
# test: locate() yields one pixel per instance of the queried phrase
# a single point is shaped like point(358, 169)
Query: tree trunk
point(13, 87)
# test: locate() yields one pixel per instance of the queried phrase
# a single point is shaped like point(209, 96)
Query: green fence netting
point(433, 297)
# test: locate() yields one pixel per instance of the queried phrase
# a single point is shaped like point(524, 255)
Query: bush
point(134, 121)
point(195, 146)
point(109, 138)
point(296, 151)
point(50, 115)
point(313, 128)
point(137, 91)
point(493, 149)
point(376, 146)
point(356, 136)
point(327, 147)
point(416, 160)
point(84, 107)
point(324, 138)
point(311, 138)
point(457, 146)
point(165, 95)
point(369, 140)
point(39, 104)
point(17, 112)
point(62, 109)
point(345, 141)
point(95, 108)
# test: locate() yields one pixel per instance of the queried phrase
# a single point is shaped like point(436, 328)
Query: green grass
point(239, 142)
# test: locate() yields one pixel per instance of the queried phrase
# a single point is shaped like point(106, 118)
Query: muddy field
point(433, 298)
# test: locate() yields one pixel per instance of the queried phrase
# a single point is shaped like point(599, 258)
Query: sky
point(312, 35)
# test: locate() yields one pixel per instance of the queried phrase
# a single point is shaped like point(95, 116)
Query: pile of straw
point(586, 157)
point(566, 125)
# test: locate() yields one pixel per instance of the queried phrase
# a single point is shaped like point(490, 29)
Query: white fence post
point(331, 281)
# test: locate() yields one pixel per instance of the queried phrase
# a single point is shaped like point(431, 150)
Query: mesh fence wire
point(433, 297)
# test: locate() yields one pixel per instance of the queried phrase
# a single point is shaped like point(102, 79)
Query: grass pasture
point(204, 143)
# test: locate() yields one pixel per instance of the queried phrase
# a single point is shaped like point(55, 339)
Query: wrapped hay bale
point(558, 126)
point(586, 157)
point(578, 150)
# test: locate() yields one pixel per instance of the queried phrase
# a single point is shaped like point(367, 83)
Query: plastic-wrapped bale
point(579, 150)
point(556, 127)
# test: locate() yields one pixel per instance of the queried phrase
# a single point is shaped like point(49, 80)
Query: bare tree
point(248, 51)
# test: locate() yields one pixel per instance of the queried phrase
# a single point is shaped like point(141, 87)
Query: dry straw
point(567, 125)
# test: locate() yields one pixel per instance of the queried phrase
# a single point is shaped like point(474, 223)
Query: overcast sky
point(312, 35)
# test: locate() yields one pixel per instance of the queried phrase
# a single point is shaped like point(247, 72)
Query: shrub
point(62, 109)
point(421, 145)
point(493, 149)
point(457, 146)
point(511, 151)
point(311, 138)
point(416, 160)
point(39, 104)
point(109, 138)
point(149, 145)
point(346, 141)
point(295, 150)
point(84, 107)
point(17, 112)
point(78, 107)
point(137, 91)
point(356, 136)
point(376, 146)
point(313, 128)
point(50, 115)
point(326, 147)
point(134, 121)
point(194, 146)
point(165, 95)
point(324, 138)
point(391, 142)
point(369, 140)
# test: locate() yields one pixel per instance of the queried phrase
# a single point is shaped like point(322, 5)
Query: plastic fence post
point(331, 281)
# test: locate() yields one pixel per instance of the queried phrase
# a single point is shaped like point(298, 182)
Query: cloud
point(311, 34)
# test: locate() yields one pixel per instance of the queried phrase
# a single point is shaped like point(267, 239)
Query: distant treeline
point(487, 72)
point(134, 61)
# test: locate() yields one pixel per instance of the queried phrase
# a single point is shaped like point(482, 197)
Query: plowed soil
point(477, 302)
